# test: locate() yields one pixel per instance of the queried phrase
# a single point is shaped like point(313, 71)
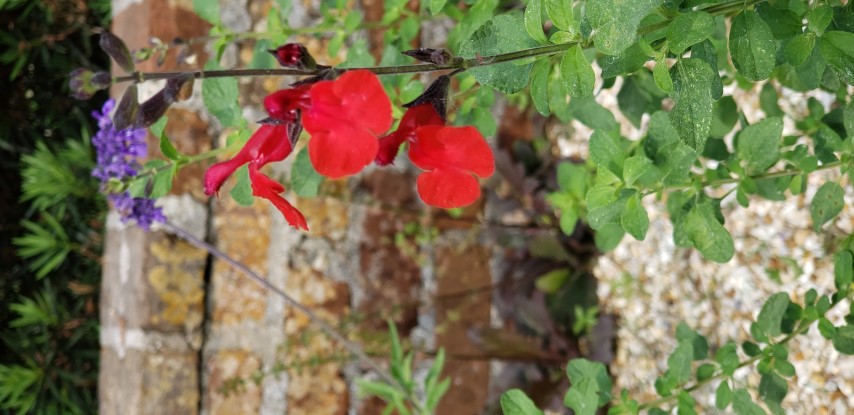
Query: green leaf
point(624, 63)
point(743, 404)
point(606, 151)
point(154, 185)
point(568, 220)
point(770, 317)
point(613, 24)
point(705, 371)
point(843, 270)
point(560, 13)
point(705, 233)
point(540, 86)
point(768, 101)
point(561, 37)
point(706, 51)
point(727, 357)
point(772, 388)
point(220, 97)
point(723, 395)
point(759, 144)
point(848, 118)
point(673, 158)
point(679, 362)
point(725, 117)
point(552, 281)
point(826, 328)
point(685, 404)
point(838, 49)
point(688, 29)
point(843, 341)
point(799, 48)
point(585, 377)
point(826, 204)
point(661, 74)
point(634, 218)
point(692, 114)
point(751, 45)
point(818, 19)
point(515, 402)
point(576, 73)
point(304, 179)
point(436, 6)
point(242, 190)
point(784, 22)
point(501, 34)
point(382, 390)
point(207, 10)
point(634, 167)
point(592, 114)
point(534, 21)
point(699, 343)
point(608, 236)
point(573, 177)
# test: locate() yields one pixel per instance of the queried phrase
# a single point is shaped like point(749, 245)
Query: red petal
point(280, 104)
point(342, 152)
point(268, 143)
point(216, 175)
point(267, 188)
point(457, 147)
point(448, 188)
point(414, 117)
point(357, 98)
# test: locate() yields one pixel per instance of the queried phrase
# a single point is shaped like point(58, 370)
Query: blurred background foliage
point(51, 217)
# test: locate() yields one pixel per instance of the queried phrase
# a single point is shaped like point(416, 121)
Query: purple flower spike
point(117, 155)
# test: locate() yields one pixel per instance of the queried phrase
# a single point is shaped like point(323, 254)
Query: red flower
point(268, 144)
point(452, 157)
point(344, 119)
point(417, 116)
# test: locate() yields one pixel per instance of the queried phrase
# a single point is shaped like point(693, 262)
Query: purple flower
point(117, 156)
point(139, 209)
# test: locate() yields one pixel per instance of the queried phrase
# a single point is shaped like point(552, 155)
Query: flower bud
point(293, 55)
point(117, 50)
point(437, 56)
point(84, 83)
point(127, 109)
point(436, 94)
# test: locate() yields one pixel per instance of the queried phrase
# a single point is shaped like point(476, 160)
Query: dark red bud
point(293, 55)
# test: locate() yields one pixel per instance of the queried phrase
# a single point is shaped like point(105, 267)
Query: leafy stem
point(802, 327)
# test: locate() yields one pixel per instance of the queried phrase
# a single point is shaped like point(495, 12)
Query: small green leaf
point(770, 317)
point(608, 236)
point(826, 204)
point(799, 48)
point(692, 114)
point(580, 370)
point(220, 97)
point(540, 86)
point(843, 270)
point(207, 10)
point(751, 45)
point(743, 404)
point(685, 404)
point(606, 151)
point(304, 179)
point(838, 48)
point(242, 190)
point(723, 395)
point(772, 388)
point(614, 25)
point(572, 177)
point(699, 343)
point(576, 73)
point(552, 281)
point(502, 34)
point(707, 234)
point(634, 218)
point(688, 29)
point(634, 167)
point(515, 402)
point(768, 101)
point(826, 328)
point(705, 371)
point(661, 74)
point(727, 357)
point(534, 21)
point(560, 13)
point(818, 19)
point(759, 144)
point(436, 6)
point(706, 51)
point(560, 37)
point(626, 62)
point(679, 362)
point(843, 341)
